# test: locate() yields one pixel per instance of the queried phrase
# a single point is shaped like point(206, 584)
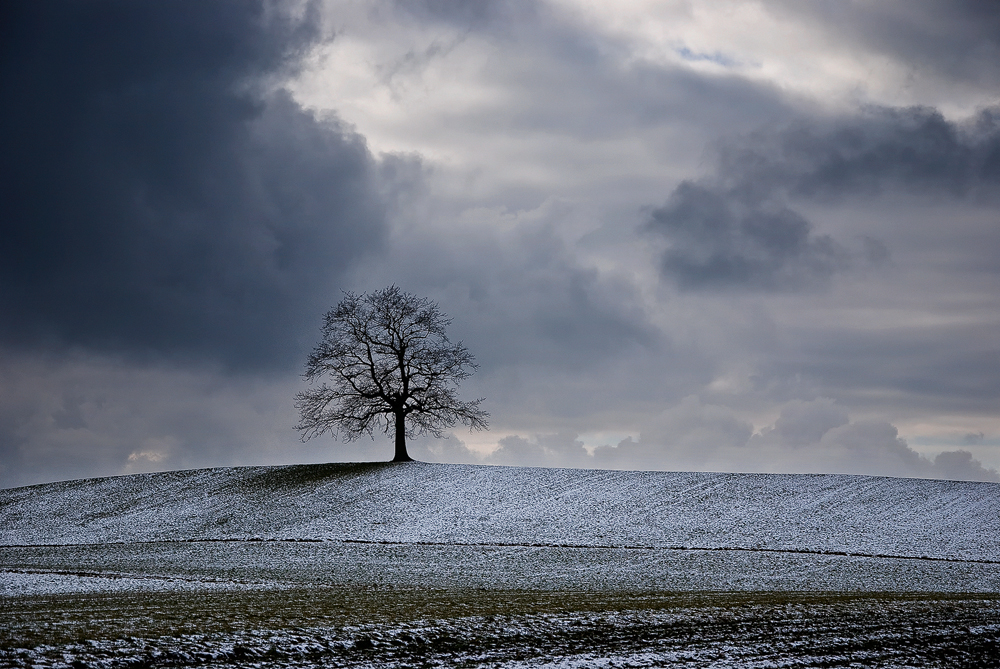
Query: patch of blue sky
point(716, 57)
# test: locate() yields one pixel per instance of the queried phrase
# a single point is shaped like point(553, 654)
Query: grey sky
point(692, 235)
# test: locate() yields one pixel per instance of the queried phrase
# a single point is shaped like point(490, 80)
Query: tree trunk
point(401, 455)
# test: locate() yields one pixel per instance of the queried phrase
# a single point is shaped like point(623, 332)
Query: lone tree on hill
point(390, 367)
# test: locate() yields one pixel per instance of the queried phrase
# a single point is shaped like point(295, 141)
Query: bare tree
point(385, 363)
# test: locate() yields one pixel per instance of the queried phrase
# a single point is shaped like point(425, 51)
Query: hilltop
point(468, 504)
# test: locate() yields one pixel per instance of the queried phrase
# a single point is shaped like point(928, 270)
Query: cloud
point(819, 434)
point(972, 438)
point(934, 362)
point(718, 241)
point(879, 149)
point(158, 194)
point(685, 435)
point(737, 229)
point(808, 437)
point(546, 450)
point(82, 415)
point(524, 100)
point(562, 344)
point(814, 436)
point(961, 466)
point(956, 41)
point(464, 13)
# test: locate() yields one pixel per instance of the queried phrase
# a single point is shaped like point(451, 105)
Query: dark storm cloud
point(738, 229)
point(155, 197)
point(717, 240)
point(881, 149)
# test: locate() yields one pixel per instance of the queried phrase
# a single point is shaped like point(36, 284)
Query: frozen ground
point(242, 565)
point(481, 505)
point(499, 527)
point(509, 630)
point(449, 565)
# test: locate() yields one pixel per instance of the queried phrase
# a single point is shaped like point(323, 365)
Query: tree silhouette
point(384, 362)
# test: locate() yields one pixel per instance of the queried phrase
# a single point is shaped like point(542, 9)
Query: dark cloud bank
point(739, 229)
point(156, 196)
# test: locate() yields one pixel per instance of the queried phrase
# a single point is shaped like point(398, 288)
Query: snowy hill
point(483, 505)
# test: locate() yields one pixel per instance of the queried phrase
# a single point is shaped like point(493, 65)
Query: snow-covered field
point(499, 527)
point(459, 504)
point(588, 541)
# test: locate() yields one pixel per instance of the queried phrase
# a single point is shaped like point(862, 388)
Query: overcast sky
point(702, 235)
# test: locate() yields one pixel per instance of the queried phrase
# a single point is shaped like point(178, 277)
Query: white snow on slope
point(464, 504)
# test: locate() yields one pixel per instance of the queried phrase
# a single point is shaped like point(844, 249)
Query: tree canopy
point(385, 363)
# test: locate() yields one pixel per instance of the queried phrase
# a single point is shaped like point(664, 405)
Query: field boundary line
point(502, 544)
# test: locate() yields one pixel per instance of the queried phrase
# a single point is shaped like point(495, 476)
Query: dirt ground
point(395, 627)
